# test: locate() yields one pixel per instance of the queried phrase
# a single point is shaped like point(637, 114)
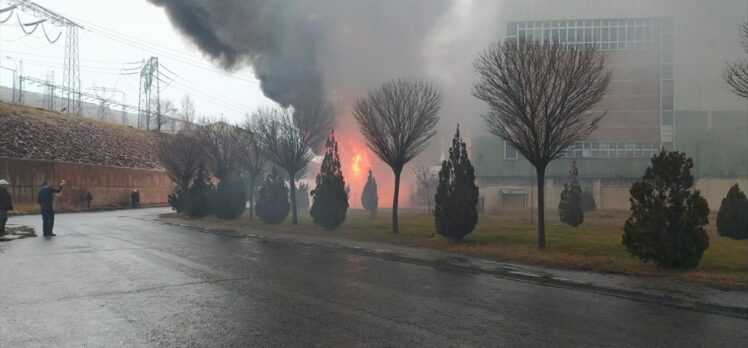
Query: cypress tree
point(570, 206)
point(231, 198)
point(330, 197)
point(456, 201)
point(732, 219)
point(369, 196)
point(272, 201)
point(302, 198)
point(588, 202)
point(201, 197)
point(667, 217)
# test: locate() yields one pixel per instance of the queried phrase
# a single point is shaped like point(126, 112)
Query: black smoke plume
point(334, 49)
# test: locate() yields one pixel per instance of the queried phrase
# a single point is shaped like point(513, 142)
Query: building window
point(510, 153)
point(613, 34)
point(599, 149)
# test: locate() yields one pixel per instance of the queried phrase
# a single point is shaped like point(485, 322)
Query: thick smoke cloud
point(332, 48)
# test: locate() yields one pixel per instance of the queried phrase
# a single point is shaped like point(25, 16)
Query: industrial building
point(668, 92)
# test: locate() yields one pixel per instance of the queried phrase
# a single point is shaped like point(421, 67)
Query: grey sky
point(148, 32)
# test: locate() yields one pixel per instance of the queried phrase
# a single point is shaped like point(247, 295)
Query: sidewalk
point(660, 290)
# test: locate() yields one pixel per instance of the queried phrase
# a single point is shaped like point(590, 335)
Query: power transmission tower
point(151, 77)
point(49, 95)
point(71, 74)
point(148, 75)
point(105, 97)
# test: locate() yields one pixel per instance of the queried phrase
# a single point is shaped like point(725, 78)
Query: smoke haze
point(340, 49)
point(333, 47)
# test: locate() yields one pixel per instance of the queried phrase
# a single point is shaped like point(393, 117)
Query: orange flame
point(356, 165)
point(356, 161)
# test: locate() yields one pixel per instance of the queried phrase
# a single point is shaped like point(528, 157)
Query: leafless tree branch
point(180, 155)
point(219, 143)
point(314, 117)
point(539, 96)
point(398, 120)
point(285, 145)
point(736, 73)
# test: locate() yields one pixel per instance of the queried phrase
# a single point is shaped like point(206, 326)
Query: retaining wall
point(109, 186)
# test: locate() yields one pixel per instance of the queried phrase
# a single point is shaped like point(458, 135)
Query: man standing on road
point(89, 198)
point(6, 205)
point(44, 198)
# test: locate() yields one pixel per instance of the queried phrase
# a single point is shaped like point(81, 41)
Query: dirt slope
point(30, 133)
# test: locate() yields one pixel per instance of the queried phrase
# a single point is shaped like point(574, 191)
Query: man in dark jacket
point(6, 205)
point(45, 198)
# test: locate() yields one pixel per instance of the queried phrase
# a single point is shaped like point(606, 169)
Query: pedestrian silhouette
point(45, 198)
point(6, 205)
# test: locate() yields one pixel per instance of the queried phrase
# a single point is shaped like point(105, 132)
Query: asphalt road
point(124, 279)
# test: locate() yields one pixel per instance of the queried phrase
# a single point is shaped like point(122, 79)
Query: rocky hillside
point(41, 135)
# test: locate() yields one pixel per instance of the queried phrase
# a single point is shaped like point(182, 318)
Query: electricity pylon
point(71, 77)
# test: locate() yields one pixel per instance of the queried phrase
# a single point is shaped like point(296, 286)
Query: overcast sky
point(147, 32)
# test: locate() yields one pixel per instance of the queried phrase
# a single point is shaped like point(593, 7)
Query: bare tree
point(165, 113)
point(314, 116)
point(219, 143)
point(285, 145)
point(253, 156)
point(426, 179)
point(736, 73)
point(180, 155)
point(188, 111)
point(397, 120)
point(540, 95)
point(223, 156)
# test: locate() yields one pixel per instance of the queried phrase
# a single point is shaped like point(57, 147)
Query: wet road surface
point(125, 279)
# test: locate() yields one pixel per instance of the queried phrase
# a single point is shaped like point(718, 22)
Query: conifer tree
point(732, 219)
point(570, 207)
point(588, 202)
point(272, 201)
point(369, 196)
point(201, 197)
point(667, 216)
point(329, 198)
point(231, 197)
point(302, 198)
point(456, 201)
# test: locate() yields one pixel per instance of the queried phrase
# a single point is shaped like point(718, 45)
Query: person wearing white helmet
point(6, 204)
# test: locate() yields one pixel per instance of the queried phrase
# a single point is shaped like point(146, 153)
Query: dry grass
point(595, 246)
point(45, 135)
point(52, 118)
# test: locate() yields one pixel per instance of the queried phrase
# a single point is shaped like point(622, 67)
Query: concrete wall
point(713, 189)
point(110, 186)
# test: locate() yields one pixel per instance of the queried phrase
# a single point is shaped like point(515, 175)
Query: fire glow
point(357, 159)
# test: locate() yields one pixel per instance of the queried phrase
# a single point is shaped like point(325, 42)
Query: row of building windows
point(603, 149)
point(609, 34)
point(600, 149)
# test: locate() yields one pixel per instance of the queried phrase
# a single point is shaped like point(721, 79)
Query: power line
point(71, 71)
point(192, 60)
